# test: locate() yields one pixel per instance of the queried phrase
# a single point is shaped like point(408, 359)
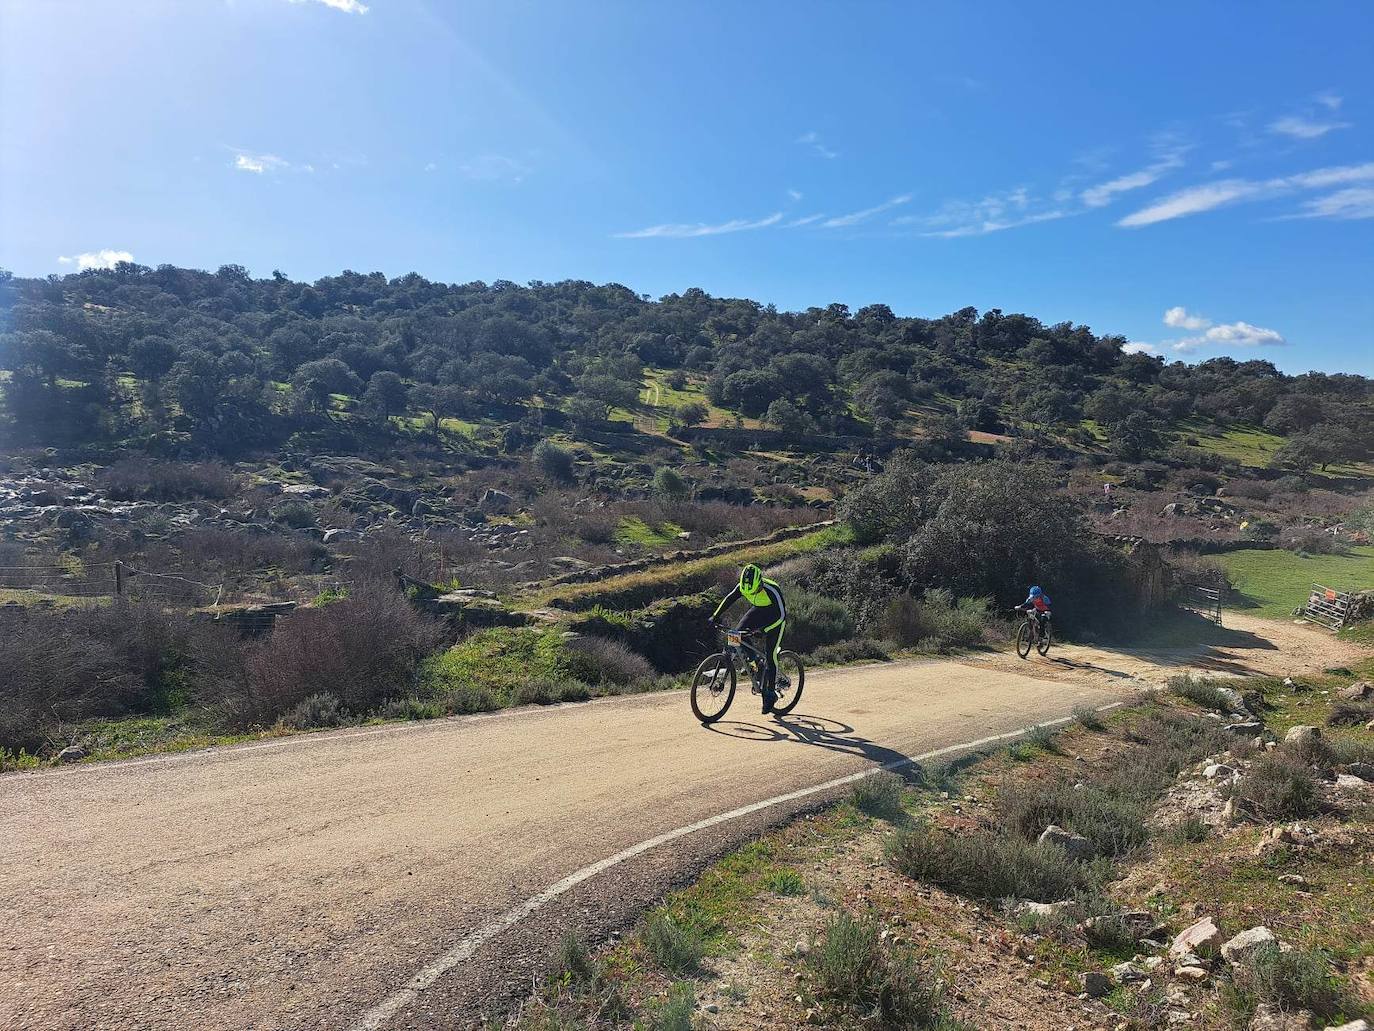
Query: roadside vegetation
point(1040, 892)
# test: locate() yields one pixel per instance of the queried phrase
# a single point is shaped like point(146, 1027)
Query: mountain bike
point(1030, 635)
point(713, 687)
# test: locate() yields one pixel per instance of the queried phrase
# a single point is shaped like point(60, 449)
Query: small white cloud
point(813, 140)
point(1300, 128)
point(431, 167)
point(1179, 318)
point(1356, 202)
point(1330, 101)
point(96, 259)
point(492, 168)
point(794, 195)
point(682, 230)
point(260, 163)
point(347, 6)
point(855, 217)
point(1136, 347)
point(1242, 334)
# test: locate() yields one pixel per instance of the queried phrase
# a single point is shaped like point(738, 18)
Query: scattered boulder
point(1096, 984)
point(1244, 945)
point(1358, 692)
point(1302, 735)
point(72, 754)
point(304, 491)
point(1077, 846)
point(1365, 771)
point(1127, 973)
point(1245, 728)
point(495, 502)
point(338, 536)
point(1354, 1025)
point(1297, 880)
point(1219, 771)
point(1349, 782)
point(1068, 908)
point(1269, 1018)
point(1191, 973)
point(1201, 938)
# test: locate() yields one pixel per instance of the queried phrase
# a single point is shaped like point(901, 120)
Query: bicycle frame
point(741, 652)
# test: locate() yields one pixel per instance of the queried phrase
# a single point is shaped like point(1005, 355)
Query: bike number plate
point(734, 637)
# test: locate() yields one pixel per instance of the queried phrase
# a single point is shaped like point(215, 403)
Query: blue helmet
point(1035, 592)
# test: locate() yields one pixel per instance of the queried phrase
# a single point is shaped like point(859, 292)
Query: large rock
point(1302, 736)
point(1077, 846)
point(304, 491)
point(1365, 771)
point(1243, 946)
point(71, 754)
point(1201, 938)
point(1354, 1025)
point(1097, 984)
point(495, 502)
point(1358, 692)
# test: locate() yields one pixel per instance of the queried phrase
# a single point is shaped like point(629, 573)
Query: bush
point(670, 483)
point(1279, 788)
point(1112, 821)
point(295, 514)
point(319, 710)
point(1088, 718)
point(852, 970)
point(785, 882)
point(1350, 714)
point(1188, 831)
point(600, 660)
point(1299, 979)
point(553, 461)
point(814, 620)
point(364, 650)
point(677, 947)
point(1200, 692)
point(142, 479)
point(59, 667)
point(880, 795)
point(937, 619)
point(990, 866)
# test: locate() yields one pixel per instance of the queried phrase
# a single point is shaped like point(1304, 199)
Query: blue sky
point(1196, 177)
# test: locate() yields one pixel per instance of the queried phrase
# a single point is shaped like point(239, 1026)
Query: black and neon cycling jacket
point(768, 596)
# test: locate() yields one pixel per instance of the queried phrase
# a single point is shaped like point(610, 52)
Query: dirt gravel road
point(303, 882)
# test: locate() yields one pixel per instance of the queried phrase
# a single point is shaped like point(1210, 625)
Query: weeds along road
point(305, 882)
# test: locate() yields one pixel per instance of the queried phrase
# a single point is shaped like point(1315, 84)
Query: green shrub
point(1188, 831)
point(600, 660)
point(937, 621)
point(1200, 693)
point(553, 461)
point(1114, 822)
point(1350, 714)
point(670, 483)
point(990, 866)
point(853, 971)
point(675, 1014)
point(880, 796)
point(1088, 718)
point(814, 620)
point(785, 882)
point(1279, 788)
point(572, 964)
point(677, 947)
point(318, 710)
point(1299, 979)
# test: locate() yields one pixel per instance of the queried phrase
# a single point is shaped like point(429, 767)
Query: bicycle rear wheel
point(713, 688)
point(1023, 640)
point(788, 686)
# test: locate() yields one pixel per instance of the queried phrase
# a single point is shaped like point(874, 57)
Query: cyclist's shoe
point(769, 700)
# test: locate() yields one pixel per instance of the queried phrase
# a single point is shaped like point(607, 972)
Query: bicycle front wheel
point(1023, 640)
point(791, 679)
point(713, 688)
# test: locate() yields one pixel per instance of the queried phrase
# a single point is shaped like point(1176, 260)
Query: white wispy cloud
point(805, 220)
point(813, 140)
point(1170, 158)
point(1352, 203)
point(683, 230)
point(105, 258)
point(347, 6)
point(1329, 100)
point(1197, 199)
point(794, 195)
point(991, 214)
point(855, 217)
point(495, 168)
point(1178, 318)
point(431, 166)
point(259, 164)
point(1300, 127)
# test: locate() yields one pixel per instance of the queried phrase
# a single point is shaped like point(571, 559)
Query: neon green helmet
point(750, 579)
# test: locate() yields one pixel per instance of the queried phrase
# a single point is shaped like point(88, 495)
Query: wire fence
point(77, 582)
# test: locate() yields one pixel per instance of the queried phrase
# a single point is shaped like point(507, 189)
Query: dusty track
point(300, 882)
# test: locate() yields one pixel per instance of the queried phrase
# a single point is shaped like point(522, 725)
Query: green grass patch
point(1245, 445)
point(1274, 583)
point(634, 532)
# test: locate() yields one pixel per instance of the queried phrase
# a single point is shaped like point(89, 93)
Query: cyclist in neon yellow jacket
point(767, 613)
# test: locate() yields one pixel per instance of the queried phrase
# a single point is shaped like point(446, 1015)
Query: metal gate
point(1206, 600)
point(1327, 607)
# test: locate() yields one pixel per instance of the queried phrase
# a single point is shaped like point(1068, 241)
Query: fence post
point(119, 578)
